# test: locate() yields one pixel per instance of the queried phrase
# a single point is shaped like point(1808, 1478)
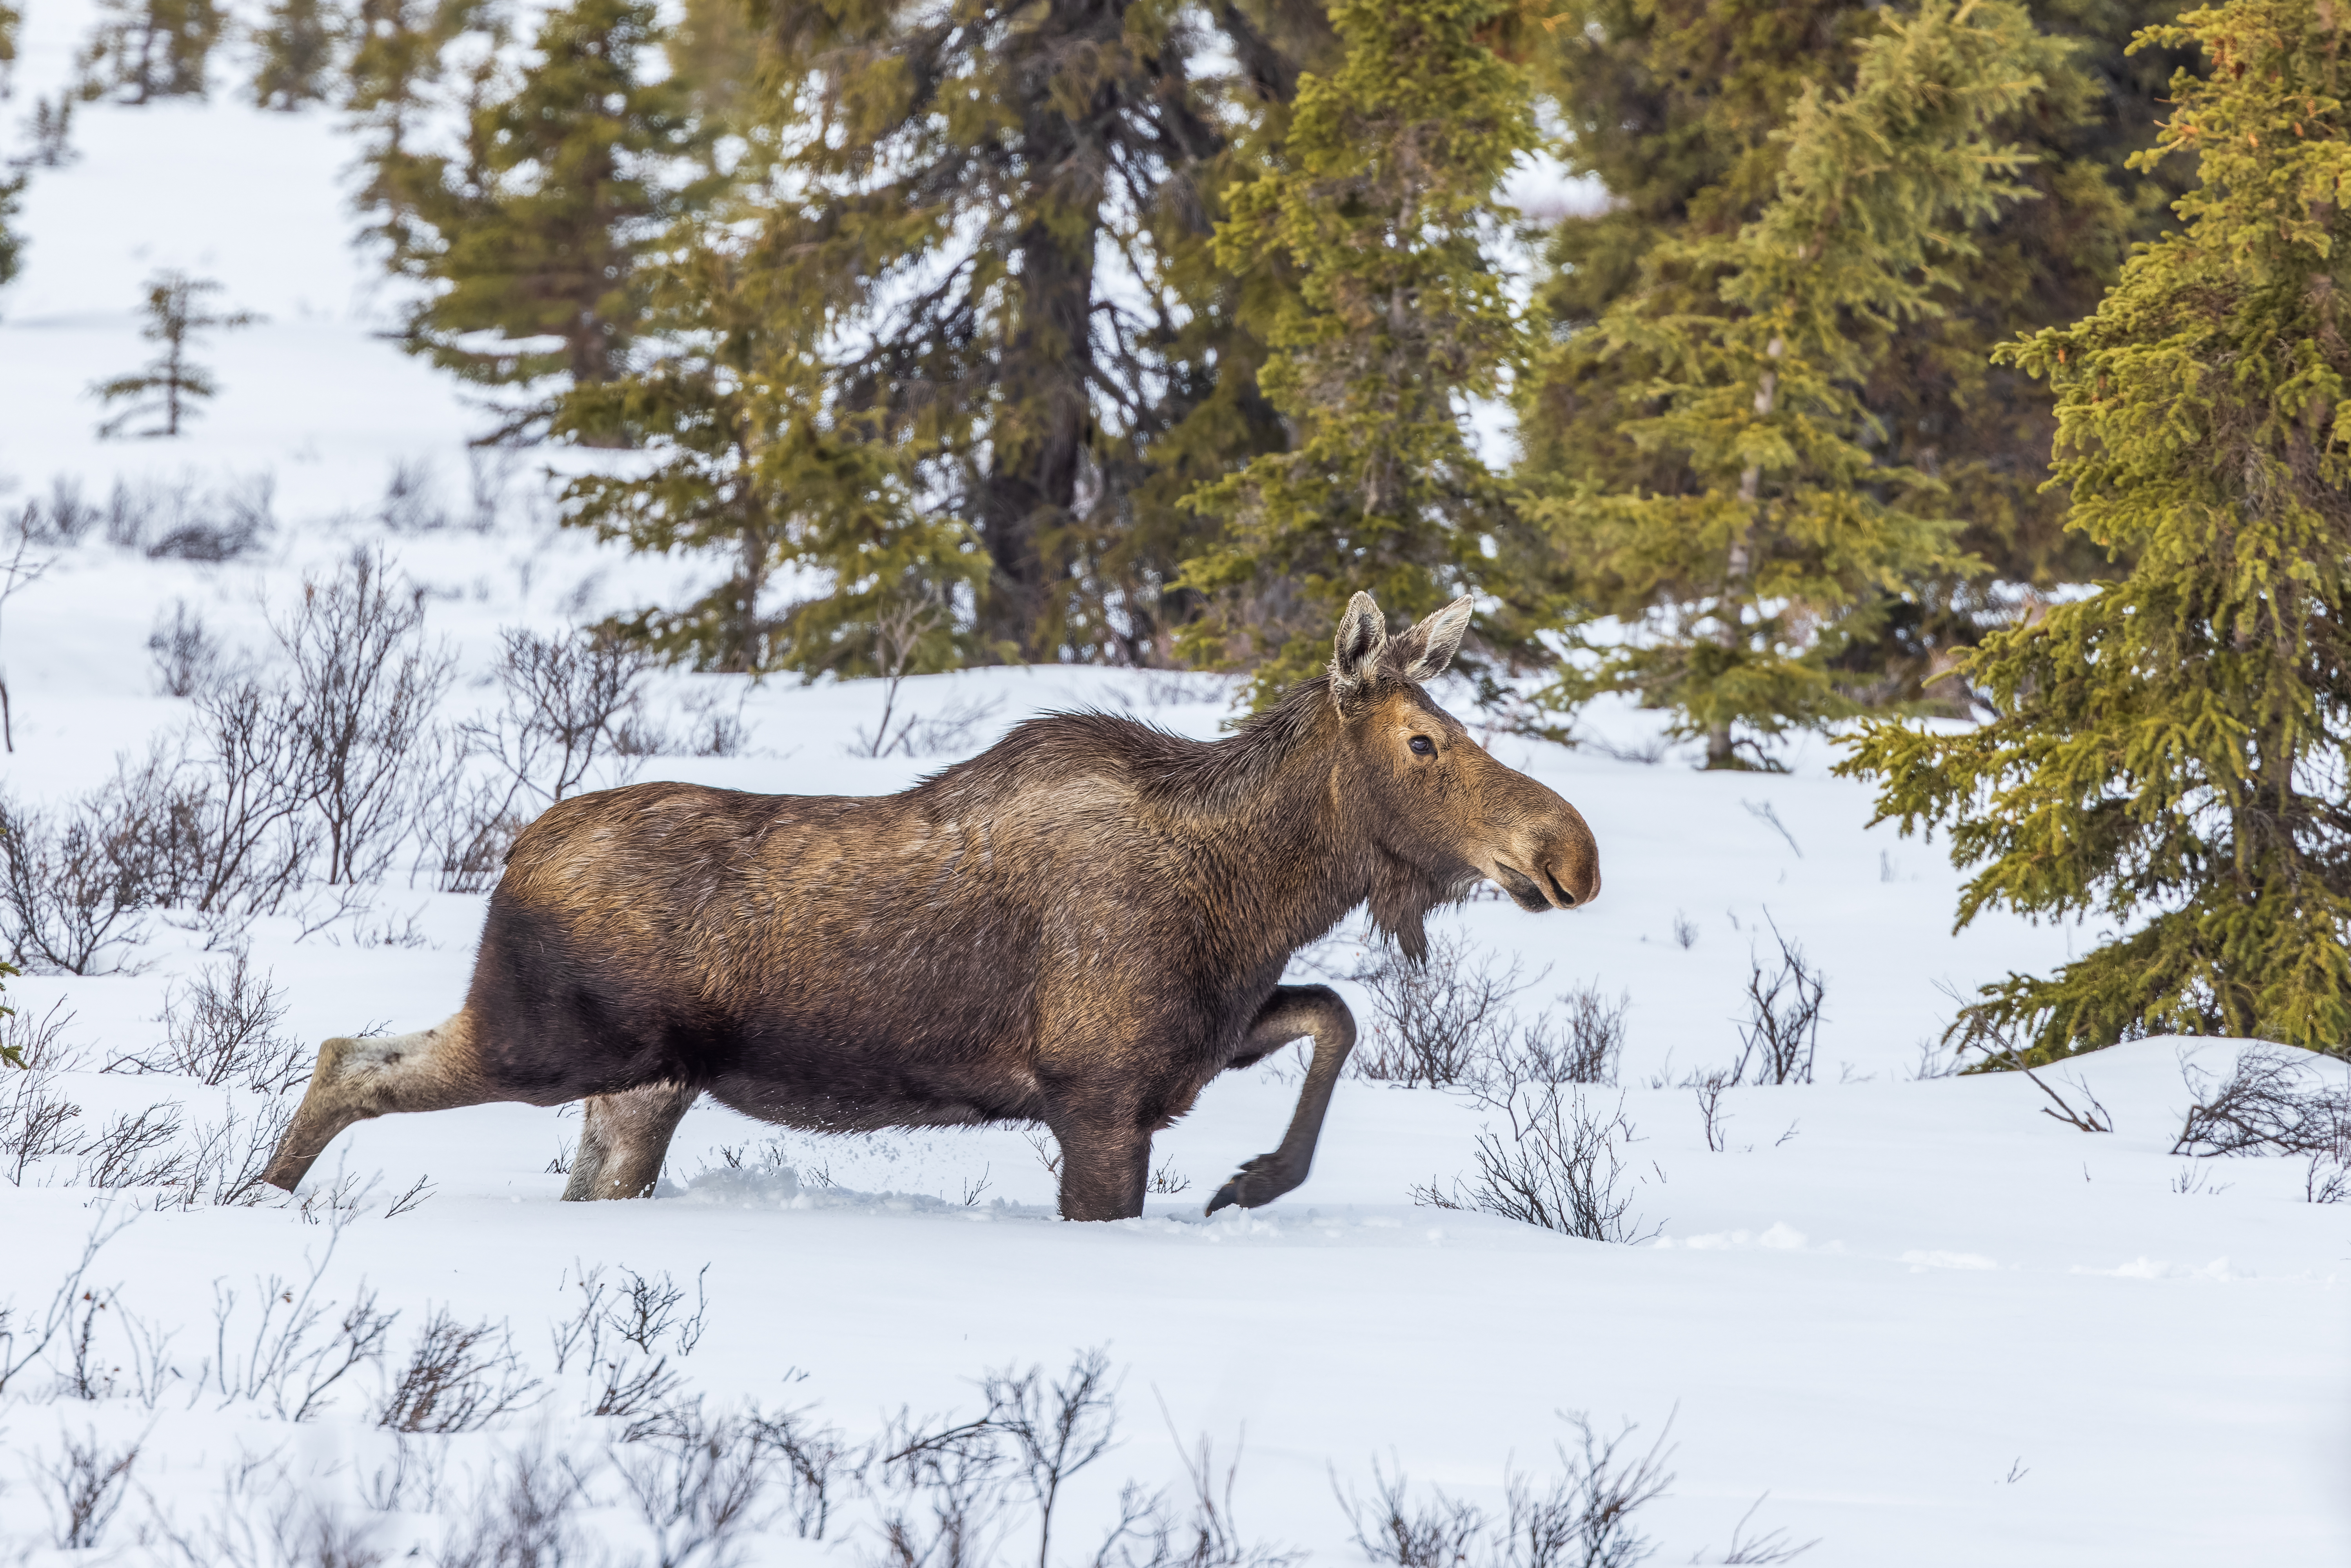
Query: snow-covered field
point(1933, 1325)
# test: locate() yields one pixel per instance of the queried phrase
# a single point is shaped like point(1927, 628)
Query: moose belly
point(847, 1097)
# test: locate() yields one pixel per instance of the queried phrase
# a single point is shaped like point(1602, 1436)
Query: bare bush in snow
point(564, 699)
point(294, 1347)
point(459, 1378)
point(33, 1125)
point(1582, 1516)
point(73, 884)
point(1397, 1528)
point(1438, 1020)
point(88, 1483)
point(2267, 1103)
point(37, 1043)
point(187, 657)
point(220, 1028)
point(615, 1339)
point(523, 1514)
point(365, 685)
point(1560, 1167)
point(1781, 1031)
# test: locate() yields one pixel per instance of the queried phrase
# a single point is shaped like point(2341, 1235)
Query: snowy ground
point(1933, 1325)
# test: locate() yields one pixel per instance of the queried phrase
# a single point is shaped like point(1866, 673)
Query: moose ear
point(1355, 653)
point(1429, 648)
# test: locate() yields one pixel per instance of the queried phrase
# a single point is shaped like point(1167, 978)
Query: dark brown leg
point(1293, 1012)
point(624, 1138)
point(1105, 1161)
point(432, 1070)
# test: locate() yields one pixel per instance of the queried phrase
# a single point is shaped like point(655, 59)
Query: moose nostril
point(1559, 890)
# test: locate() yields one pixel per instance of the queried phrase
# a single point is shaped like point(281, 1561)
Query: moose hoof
point(1257, 1183)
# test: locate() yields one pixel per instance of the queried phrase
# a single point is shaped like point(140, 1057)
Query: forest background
point(1145, 333)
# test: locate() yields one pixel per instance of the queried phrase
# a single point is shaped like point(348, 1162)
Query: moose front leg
point(1292, 1011)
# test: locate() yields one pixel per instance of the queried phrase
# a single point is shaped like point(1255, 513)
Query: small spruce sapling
point(147, 50)
point(296, 46)
point(170, 384)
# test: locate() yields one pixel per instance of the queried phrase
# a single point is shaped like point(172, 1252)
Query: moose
point(1081, 926)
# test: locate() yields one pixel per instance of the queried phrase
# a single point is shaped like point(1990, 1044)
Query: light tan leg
point(624, 1138)
point(432, 1070)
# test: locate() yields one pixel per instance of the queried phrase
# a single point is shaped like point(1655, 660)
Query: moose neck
point(1276, 809)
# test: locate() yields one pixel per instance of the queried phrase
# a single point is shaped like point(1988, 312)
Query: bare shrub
point(1562, 1168)
point(1438, 1020)
point(1781, 1031)
point(819, 1462)
point(1685, 931)
point(33, 1125)
point(220, 526)
point(1057, 1428)
point(365, 684)
point(229, 833)
point(89, 1481)
point(91, 1373)
point(412, 499)
point(72, 886)
point(20, 567)
point(2267, 1103)
point(1584, 1049)
point(698, 1491)
point(564, 699)
point(614, 1337)
point(39, 1044)
point(65, 519)
point(298, 1347)
point(220, 1028)
point(524, 1514)
point(411, 1484)
point(291, 1529)
point(464, 831)
point(224, 1160)
point(1583, 1516)
point(459, 1378)
point(1405, 1531)
point(1708, 1090)
point(1206, 1534)
point(134, 1151)
point(26, 1338)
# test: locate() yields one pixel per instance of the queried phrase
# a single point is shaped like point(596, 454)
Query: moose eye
point(1424, 746)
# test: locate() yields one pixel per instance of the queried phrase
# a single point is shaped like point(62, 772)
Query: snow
point(1934, 1325)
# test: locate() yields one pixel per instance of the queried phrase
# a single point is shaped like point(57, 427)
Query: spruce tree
point(1009, 209)
point(296, 47)
point(172, 383)
point(1384, 201)
point(1672, 105)
point(2170, 753)
point(147, 50)
point(1736, 586)
point(747, 457)
point(12, 244)
point(533, 231)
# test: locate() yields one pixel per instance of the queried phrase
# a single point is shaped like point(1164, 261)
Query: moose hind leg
point(623, 1139)
point(1292, 1011)
point(358, 1078)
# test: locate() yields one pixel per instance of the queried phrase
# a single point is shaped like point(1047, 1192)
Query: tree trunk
point(1038, 443)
